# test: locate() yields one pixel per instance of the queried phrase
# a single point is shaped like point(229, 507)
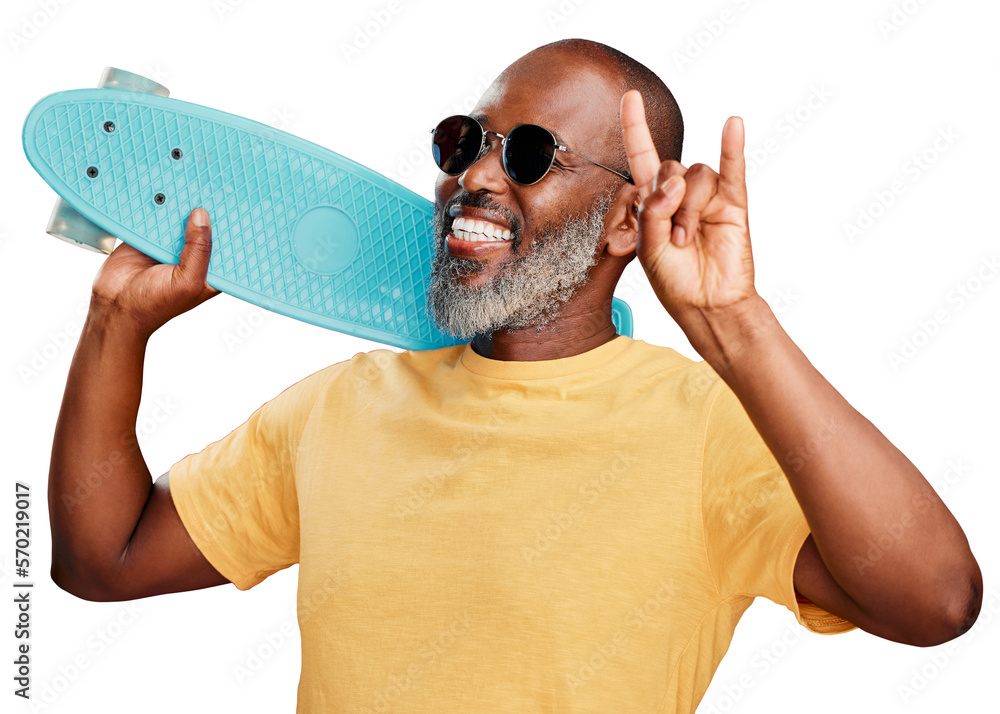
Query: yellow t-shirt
point(473, 535)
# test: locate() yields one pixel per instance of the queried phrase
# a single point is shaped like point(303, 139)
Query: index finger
point(732, 163)
point(643, 161)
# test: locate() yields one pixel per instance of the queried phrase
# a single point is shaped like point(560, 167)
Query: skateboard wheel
point(67, 223)
point(114, 78)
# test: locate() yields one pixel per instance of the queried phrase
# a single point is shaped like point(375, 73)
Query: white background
point(894, 75)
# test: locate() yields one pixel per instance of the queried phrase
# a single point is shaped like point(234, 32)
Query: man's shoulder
point(663, 359)
point(380, 362)
point(667, 372)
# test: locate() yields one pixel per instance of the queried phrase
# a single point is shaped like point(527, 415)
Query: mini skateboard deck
point(296, 228)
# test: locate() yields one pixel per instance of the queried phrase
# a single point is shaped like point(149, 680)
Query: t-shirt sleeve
point(754, 526)
point(238, 498)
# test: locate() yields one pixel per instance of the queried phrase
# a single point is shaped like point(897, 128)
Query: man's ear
point(623, 230)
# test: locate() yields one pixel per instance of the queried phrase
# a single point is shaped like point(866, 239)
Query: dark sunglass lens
point(529, 153)
point(457, 141)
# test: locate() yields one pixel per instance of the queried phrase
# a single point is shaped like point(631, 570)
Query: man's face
point(550, 232)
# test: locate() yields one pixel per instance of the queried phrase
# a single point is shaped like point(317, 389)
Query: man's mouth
point(467, 229)
point(477, 233)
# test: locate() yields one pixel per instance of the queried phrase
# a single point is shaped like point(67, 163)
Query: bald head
point(620, 73)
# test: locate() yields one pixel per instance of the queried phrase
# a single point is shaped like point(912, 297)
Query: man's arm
point(854, 488)
point(693, 242)
point(116, 535)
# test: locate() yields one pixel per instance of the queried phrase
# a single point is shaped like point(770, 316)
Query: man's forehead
point(570, 96)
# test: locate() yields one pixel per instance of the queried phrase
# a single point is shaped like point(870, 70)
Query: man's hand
point(694, 241)
point(148, 293)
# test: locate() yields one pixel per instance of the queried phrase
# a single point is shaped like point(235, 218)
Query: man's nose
point(487, 173)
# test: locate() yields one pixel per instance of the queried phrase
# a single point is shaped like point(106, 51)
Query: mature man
point(552, 517)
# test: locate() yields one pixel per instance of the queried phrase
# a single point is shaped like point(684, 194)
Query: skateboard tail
point(65, 222)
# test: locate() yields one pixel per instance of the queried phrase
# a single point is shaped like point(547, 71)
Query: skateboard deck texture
point(296, 228)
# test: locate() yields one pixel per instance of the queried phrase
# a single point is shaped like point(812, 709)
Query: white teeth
point(479, 231)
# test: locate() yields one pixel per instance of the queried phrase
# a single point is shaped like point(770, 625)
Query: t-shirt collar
point(543, 369)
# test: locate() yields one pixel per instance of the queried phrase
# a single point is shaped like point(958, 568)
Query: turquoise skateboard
point(296, 228)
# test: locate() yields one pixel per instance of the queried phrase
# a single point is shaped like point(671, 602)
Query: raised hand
point(148, 293)
point(694, 240)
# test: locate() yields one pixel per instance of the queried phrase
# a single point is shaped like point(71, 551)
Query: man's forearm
point(853, 485)
point(98, 480)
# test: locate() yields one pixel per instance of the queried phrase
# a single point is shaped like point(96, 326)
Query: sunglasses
point(528, 149)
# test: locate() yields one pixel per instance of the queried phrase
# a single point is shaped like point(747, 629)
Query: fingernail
point(672, 186)
point(199, 217)
point(679, 234)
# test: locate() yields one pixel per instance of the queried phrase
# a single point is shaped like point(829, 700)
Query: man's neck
point(573, 332)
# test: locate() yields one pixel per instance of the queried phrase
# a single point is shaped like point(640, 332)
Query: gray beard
point(527, 291)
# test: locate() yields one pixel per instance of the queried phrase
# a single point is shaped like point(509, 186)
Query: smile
point(466, 229)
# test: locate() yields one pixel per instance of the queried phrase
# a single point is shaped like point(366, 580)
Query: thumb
point(192, 268)
point(657, 211)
